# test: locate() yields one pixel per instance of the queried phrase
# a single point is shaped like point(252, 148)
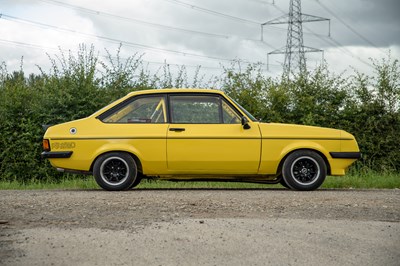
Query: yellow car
point(195, 134)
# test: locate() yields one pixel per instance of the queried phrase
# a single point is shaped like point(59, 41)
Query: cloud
point(376, 21)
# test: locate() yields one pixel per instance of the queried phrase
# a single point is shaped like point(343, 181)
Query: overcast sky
point(197, 32)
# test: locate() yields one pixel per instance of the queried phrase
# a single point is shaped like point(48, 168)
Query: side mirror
point(245, 123)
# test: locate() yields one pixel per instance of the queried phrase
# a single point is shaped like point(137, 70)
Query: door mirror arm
point(245, 123)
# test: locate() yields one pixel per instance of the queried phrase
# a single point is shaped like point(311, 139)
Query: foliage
point(77, 85)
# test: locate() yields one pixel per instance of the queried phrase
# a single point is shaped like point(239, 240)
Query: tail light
point(46, 145)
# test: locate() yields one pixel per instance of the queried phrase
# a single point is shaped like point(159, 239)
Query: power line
point(30, 45)
point(44, 48)
point(146, 23)
point(347, 25)
point(346, 50)
point(96, 12)
point(209, 11)
point(264, 2)
point(219, 14)
point(309, 17)
point(108, 39)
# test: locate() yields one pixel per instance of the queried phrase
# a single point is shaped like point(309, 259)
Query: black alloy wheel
point(304, 170)
point(116, 171)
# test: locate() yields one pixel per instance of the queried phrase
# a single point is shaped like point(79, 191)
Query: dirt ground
point(200, 227)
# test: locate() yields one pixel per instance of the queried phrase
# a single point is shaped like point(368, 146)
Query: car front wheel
point(304, 170)
point(115, 171)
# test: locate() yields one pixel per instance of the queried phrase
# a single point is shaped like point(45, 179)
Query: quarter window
point(229, 115)
point(140, 110)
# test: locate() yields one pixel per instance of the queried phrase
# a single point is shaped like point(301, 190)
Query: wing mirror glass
point(245, 123)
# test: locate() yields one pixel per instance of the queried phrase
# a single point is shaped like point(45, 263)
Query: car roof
point(174, 90)
point(155, 91)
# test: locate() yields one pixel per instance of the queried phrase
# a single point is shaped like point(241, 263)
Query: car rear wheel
point(116, 171)
point(304, 170)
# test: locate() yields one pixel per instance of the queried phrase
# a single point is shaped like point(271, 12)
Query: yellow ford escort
point(195, 134)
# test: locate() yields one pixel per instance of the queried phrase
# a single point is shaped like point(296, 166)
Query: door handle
point(177, 129)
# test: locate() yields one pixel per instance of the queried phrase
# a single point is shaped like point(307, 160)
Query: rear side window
point(141, 110)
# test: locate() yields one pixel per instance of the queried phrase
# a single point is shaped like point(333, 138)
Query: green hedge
point(77, 85)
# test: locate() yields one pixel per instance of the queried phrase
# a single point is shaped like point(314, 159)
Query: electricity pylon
point(295, 60)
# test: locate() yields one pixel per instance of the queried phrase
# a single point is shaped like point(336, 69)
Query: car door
point(205, 136)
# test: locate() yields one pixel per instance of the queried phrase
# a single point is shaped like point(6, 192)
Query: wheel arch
point(328, 167)
point(134, 156)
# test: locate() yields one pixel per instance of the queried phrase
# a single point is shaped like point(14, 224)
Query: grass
point(67, 183)
point(370, 180)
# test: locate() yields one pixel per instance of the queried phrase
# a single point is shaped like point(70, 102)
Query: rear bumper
point(345, 155)
point(56, 154)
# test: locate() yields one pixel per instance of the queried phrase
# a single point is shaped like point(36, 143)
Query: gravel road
point(200, 227)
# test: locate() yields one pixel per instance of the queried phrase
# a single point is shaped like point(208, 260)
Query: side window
point(195, 109)
point(141, 110)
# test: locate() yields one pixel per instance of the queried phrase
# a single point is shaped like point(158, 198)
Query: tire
point(304, 170)
point(115, 171)
point(136, 182)
point(283, 183)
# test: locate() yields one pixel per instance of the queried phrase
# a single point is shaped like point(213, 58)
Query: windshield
point(244, 110)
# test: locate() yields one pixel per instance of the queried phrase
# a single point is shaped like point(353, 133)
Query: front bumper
point(345, 155)
point(56, 154)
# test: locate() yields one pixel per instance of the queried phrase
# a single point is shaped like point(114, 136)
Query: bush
point(77, 85)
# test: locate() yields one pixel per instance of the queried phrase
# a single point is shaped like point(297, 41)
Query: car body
point(195, 134)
